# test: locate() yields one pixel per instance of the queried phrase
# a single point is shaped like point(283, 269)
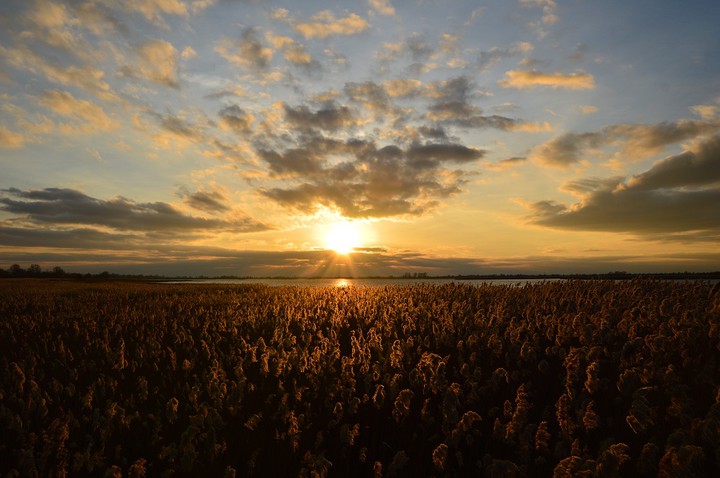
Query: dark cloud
point(206, 201)
point(370, 181)
point(457, 89)
point(637, 141)
point(73, 238)
point(453, 105)
point(310, 158)
point(57, 207)
point(489, 58)
point(507, 163)
point(236, 119)
point(436, 153)
point(369, 94)
point(248, 51)
point(436, 133)
point(679, 196)
point(418, 47)
point(331, 117)
point(180, 127)
point(691, 169)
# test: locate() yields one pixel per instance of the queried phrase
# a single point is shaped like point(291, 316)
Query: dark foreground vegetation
point(576, 378)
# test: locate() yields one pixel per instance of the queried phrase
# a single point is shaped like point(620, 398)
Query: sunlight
point(343, 237)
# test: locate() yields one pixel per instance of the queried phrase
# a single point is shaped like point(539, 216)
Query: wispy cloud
point(294, 52)
point(549, 8)
point(324, 24)
point(11, 139)
point(383, 7)
point(88, 116)
point(212, 201)
point(157, 61)
point(522, 79)
point(155, 10)
point(81, 76)
point(248, 51)
point(491, 57)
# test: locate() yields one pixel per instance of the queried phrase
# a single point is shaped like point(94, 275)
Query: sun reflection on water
point(342, 283)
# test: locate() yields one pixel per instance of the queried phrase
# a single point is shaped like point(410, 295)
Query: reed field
point(567, 378)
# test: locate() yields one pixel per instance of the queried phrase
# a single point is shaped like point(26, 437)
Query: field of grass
point(576, 378)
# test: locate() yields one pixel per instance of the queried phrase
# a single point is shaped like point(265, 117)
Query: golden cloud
point(90, 116)
point(324, 24)
point(383, 7)
point(532, 78)
point(10, 139)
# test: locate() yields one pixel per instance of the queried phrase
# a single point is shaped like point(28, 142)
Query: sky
point(269, 138)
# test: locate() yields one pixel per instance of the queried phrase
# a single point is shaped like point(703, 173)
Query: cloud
point(157, 61)
point(331, 117)
point(324, 24)
point(636, 141)
point(307, 158)
point(587, 109)
point(153, 10)
point(489, 58)
point(696, 168)
point(207, 201)
point(706, 111)
point(369, 181)
point(507, 163)
point(69, 238)
point(678, 196)
point(172, 259)
point(532, 78)
point(179, 127)
point(98, 18)
point(79, 76)
point(383, 7)
point(229, 91)
point(54, 24)
point(294, 52)
point(10, 139)
point(566, 149)
point(371, 95)
point(188, 52)
point(247, 51)
point(89, 116)
point(403, 87)
point(418, 49)
point(235, 118)
point(548, 6)
point(63, 207)
point(452, 106)
point(197, 6)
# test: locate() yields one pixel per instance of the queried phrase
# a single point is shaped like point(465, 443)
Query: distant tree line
point(34, 270)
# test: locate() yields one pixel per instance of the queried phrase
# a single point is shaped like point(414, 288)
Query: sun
point(343, 236)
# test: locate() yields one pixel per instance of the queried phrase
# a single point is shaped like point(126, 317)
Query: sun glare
point(343, 237)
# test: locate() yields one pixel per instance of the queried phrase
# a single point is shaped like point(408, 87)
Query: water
point(347, 282)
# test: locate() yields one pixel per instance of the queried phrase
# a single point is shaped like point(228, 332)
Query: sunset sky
point(228, 137)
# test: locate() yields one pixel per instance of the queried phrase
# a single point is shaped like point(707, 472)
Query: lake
point(347, 282)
